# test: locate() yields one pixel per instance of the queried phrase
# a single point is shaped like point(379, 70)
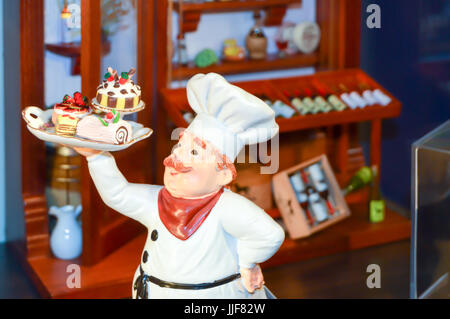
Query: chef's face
point(192, 170)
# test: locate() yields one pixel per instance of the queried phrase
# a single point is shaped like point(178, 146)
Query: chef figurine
point(204, 241)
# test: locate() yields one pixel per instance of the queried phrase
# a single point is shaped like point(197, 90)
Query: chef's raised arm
point(132, 200)
point(258, 235)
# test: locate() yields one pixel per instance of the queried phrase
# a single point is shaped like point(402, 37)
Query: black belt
point(168, 284)
point(144, 278)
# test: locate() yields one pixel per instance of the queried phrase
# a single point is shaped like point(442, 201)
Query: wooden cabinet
point(339, 22)
point(111, 242)
point(189, 16)
point(336, 61)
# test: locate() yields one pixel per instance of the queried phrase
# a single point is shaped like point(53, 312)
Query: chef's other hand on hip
point(252, 278)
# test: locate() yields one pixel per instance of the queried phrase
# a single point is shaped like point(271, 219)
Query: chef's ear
point(225, 176)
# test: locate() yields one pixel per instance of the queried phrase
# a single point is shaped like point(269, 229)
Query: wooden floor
point(105, 281)
point(341, 275)
point(344, 275)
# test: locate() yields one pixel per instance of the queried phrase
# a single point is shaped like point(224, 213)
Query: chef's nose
point(177, 151)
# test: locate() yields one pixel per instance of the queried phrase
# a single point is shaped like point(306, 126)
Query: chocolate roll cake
point(120, 94)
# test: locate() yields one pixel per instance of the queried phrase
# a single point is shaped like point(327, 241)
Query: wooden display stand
point(355, 231)
point(176, 103)
point(338, 54)
point(112, 243)
point(189, 17)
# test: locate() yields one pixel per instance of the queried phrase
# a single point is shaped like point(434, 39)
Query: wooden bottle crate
point(294, 216)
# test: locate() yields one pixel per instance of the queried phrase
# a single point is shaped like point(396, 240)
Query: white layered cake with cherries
point(118, 93)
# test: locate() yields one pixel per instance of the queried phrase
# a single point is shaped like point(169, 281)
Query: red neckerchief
point(182, 217)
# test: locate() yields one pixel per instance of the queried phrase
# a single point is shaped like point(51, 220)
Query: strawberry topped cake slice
point(67, 114)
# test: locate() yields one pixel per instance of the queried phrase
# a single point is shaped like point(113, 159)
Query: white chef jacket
point(236, 233)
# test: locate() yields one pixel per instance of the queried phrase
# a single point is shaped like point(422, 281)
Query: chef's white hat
point(227, 116)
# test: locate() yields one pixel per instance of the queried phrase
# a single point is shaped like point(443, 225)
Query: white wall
point(123, 54)
point(2, 133)
point(58, 78)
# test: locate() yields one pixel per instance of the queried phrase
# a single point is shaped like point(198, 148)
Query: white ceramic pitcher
point(66, 238)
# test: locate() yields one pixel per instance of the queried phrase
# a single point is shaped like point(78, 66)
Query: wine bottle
point(316, 173)
point(343, 94)
point(269, 102)
point(299, 188)
point(297, 103)
point(322, 189)
point(376, 204)
point(303, 201)
point(317, 207)
point(332, 99)
point(284, 110)
point(315, 202)
point(314, 107)
point(382, 98)
point(361, 178)
point(324, 106)
point(355, 96)
point(306, 101)
point(281, 109)
point(297, 182)
point(377, 95)
point(367, 93)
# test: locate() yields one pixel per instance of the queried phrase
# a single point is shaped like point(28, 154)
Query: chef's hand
point(86, 151)
point(252, 278)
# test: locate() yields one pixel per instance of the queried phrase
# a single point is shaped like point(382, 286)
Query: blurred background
point(408, 56)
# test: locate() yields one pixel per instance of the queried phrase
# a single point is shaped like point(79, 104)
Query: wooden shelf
point(112, 277)
point(190, 13)
point(189, 18)
point(64, 49)
point(297, 123)
point(175, 101)
point(73, 50)
point(234, 5)
point(272, 62)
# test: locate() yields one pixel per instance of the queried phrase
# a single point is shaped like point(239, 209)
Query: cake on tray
point(67, 114)
point(118, 93)
point(108, 129)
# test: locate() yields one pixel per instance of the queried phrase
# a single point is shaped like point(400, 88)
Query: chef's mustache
point(173, 162)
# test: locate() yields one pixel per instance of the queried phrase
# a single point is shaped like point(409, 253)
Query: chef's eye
point(194, 152)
